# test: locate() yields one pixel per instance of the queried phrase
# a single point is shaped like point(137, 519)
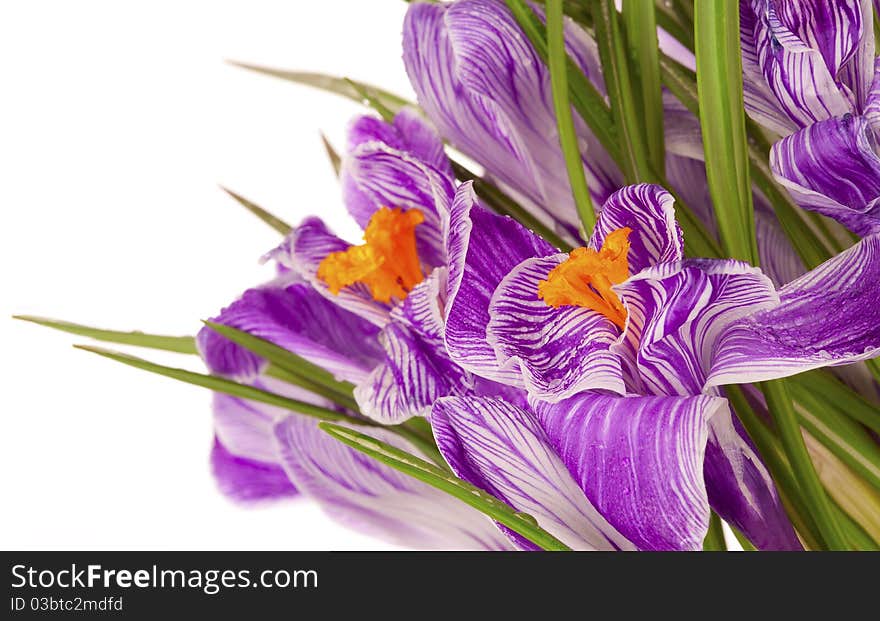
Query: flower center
point(388, 263)
point(586, 277)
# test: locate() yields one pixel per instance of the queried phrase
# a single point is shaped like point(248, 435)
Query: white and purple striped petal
point(245, 480)
point(832, 168)
point(676, 312)
point(290, 314)
point(558, 351)
point(801, 47)
point(302, 252)
point(373, 498)
point(488, 92)
point(639, 460)
point(400, 165)
point(827, 317)
point(503, 450)
point(482, 248)
point(649, 211)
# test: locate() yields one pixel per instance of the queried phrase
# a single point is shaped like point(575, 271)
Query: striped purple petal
point(760, 102)
point(801, 47)
point(302, 252)
point(649, 211)
point(415, 373)
point(246, 480)
point(408, 133)
point(827, 317)
point(558, 351)
point(676, 311)
point(832, 168)
point(385, 167)
point(373, 498)
point(639, 460)
point(482, 248)
point(290, 314)
point(502, 449)
point(488, 92)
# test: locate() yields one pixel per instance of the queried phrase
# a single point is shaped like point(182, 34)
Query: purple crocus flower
point(690, 327)
point(810, 76)
point(385, 348)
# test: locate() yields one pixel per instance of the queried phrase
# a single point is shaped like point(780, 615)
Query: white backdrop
point(117, 122)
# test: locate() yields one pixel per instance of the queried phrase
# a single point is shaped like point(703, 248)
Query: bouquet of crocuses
point(652, 309)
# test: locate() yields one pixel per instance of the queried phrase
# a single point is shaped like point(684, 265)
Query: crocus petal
point(292, 315)
point(559, 351)
point(482, 248)
point(409, 133)
point(740, 488)
point(639, 460)
point(503, 449)
point(778, 259)
point(244, 427)
point(760, 102)
point(676, 312)
point(484, 86)
point(649, 211)
point(388, 171)
point(304, 249)
point(832, 168)
point(800, 60)
point(827, 317)
point(415, 373)
point(373, 498)
point(245, 480)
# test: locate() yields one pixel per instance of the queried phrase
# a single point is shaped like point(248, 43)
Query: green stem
point(714, 541)
point(568, 141)
point(780, 406)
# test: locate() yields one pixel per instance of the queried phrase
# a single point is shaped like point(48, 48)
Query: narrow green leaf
point(722, 121)
point(874, 367)
point(332, 155)
point(743, 540)
point(780, 406)
point(219, 384)
point(675, 24)
point(503, 204)
point(621, 93)
point(411, 465)
point(641, 34)
point(841, 436)
point(836, 394)
point(568, 140)
point(275, 222)
point(352, 89)
point(309, 375)
point(177, 344)
point(371, 98)
point(714, 541)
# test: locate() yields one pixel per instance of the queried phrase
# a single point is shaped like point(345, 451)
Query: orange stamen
point(388, 263)
point(586, 277)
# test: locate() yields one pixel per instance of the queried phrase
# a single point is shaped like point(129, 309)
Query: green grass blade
point(722, 121)
point(780, 405)
point(274, 221)
point(641, 34)
point(714, 540)
point(318, 379)
point(332, 155)
point(838, 395)
point(351, 89)
point(621, 92)
point(411, 465)
point(177, 344)
point(219, 384)
point(849, 442)
point(568, 141)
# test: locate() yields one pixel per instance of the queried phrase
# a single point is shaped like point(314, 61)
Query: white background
point(117, 121)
